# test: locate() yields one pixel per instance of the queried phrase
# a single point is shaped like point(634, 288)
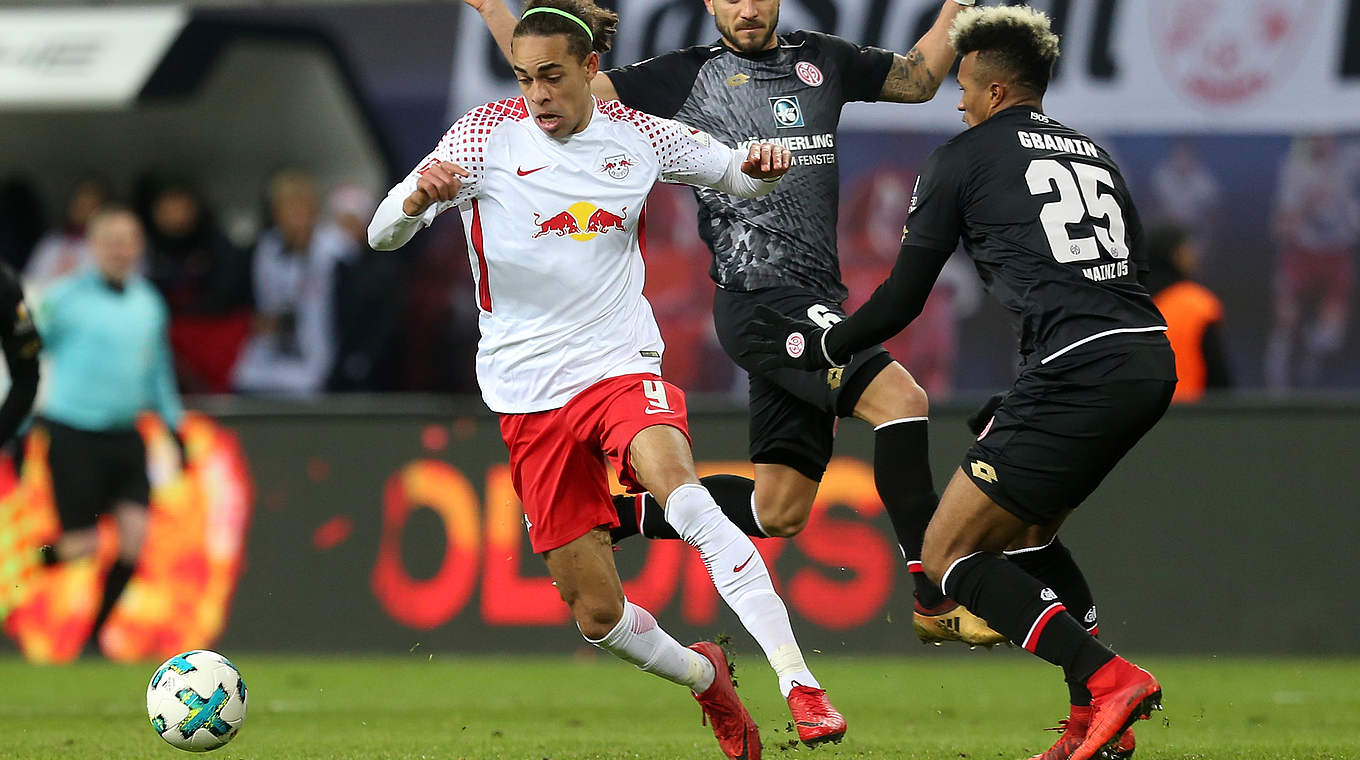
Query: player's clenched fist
point(778, 341)
point(439, 182)
point(767, 161)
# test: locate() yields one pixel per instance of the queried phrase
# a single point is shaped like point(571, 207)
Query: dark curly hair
point(603, 25)
point(1011, 39)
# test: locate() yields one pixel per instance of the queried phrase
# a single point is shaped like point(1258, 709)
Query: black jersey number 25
point(1080, 195)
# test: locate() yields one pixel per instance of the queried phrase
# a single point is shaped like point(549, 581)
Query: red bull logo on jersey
point(617, 166)
point(563, 224)
point(581, 221)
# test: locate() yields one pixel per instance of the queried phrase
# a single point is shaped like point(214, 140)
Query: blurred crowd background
point(296, 303)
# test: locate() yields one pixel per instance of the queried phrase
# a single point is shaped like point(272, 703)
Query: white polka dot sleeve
point(691, 156)
point(464, 145)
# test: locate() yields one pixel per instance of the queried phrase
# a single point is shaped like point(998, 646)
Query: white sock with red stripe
point(638, 639)
point(742, 580)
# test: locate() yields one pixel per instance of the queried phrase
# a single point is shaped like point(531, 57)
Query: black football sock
point(736, 498)
point(731, 492)
point(626, 506)
point(902, 477)
point(1026, 611)
point(1078, 694)
point(114, 583)
point(651, 523)
point(1053, 566)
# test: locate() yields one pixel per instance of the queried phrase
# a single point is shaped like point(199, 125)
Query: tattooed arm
point(916, 76)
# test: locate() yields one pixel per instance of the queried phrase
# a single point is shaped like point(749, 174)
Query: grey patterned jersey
point(792, 95)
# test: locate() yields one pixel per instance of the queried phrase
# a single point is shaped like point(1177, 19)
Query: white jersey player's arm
point(692, 157)
point(392, 227)
point(737, 182)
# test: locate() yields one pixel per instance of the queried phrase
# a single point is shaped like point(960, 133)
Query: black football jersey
point(21, 344)
point(1047, 219)
point(791, 95)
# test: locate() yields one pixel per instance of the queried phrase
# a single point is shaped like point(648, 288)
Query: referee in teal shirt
point(105, 331)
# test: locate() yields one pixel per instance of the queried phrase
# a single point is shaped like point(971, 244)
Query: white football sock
point(639, 640)
point(739, 573)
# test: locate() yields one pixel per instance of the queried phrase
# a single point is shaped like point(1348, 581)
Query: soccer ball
point(196, 700)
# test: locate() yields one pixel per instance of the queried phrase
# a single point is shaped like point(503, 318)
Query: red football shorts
point(557, 457)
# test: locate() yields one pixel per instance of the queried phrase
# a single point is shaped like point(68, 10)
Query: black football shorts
point(94, 470)
point(793, 412)
point(1064, 426)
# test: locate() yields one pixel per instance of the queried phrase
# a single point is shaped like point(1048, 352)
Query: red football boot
point(1121, 693)
point(1123, 749)
point(817, 721)
point(1073, 730)
point(1073, 734)
point(737, 734)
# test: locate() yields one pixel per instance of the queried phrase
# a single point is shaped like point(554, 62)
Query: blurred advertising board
point(381, 533)
point(1128, 65)
point(181, 594)
point(400, 532)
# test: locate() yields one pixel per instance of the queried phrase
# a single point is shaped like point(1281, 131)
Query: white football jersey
point(556, 238)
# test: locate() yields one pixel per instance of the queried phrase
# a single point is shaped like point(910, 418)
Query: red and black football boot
point(1073, 730)
point(1121, 694)
point(814, 717)
point(737, 733)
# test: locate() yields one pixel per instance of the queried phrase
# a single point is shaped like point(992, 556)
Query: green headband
point(563, 14)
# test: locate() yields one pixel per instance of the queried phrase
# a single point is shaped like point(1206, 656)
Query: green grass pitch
point(939, 706)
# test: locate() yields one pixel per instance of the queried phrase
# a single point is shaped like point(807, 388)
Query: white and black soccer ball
point(196, 700)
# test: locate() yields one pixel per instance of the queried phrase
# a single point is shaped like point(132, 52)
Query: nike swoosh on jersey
point(650, 410)
point(743, 565)
point(523, 173)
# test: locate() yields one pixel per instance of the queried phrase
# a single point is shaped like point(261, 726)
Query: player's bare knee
point(786, 516)
point(597, 616)
point(893, 395)
point(940, 550)
point(785, 524)
point(1034, 537)
point(662, 484)
point(911, 398)
point(662, 461)
point(935, 563)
